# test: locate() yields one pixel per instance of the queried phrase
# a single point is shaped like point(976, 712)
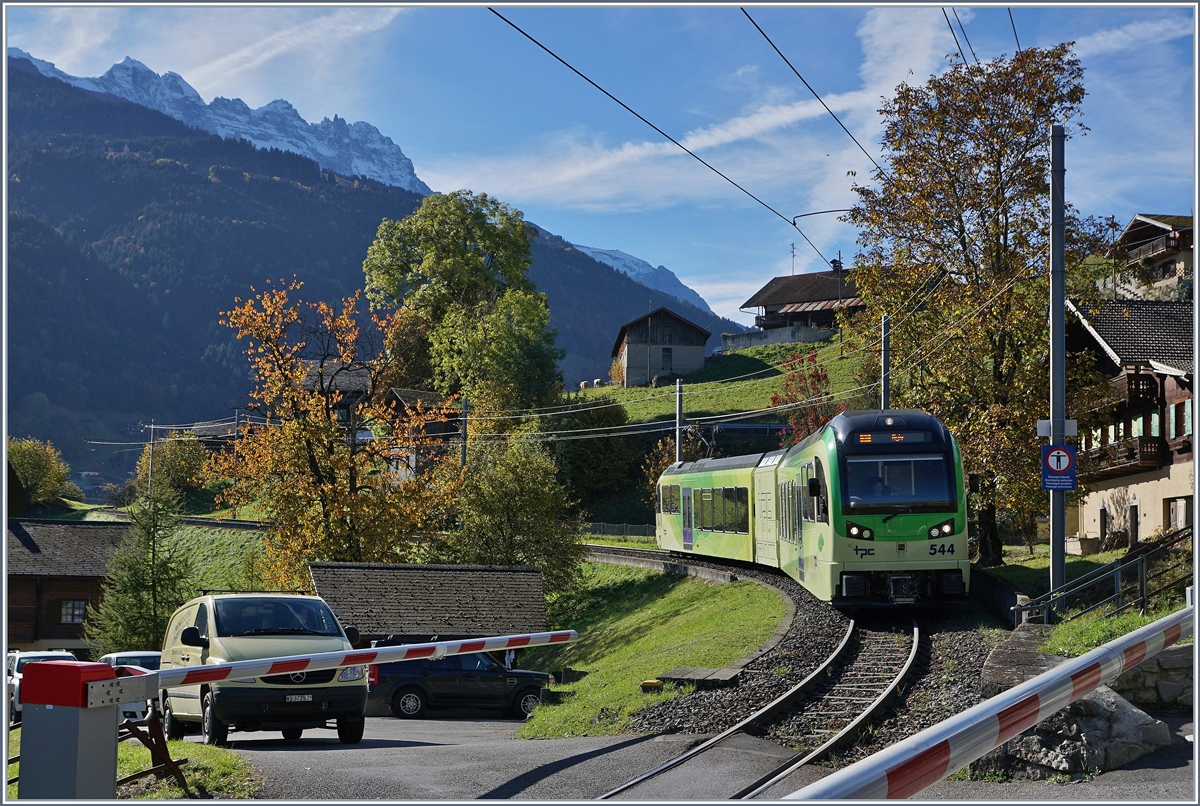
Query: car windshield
point(274, 616)
point(884, 484)
point(150, 662)
point(38, 658)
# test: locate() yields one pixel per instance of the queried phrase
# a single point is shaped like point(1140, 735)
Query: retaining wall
point(997, 594)
point(1164, 681)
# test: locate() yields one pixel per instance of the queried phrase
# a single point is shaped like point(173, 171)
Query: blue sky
point(474, 104)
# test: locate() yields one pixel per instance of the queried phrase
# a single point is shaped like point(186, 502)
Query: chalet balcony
point(1159, 246)
point(1129, 456)
point(1138, 391)
point(771, 320)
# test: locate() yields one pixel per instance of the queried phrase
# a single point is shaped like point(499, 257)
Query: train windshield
point(882, 484)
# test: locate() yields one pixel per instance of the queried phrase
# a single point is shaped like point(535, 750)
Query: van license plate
point(297, 698)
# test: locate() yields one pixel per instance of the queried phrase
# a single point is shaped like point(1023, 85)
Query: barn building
point(661, 344)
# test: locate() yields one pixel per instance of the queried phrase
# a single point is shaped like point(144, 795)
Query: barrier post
point(68, 750)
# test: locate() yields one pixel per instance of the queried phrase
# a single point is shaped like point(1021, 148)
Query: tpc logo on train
point(1058, 467)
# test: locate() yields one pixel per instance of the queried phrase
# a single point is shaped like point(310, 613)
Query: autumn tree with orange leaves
point(340, 472)
point(805, 393)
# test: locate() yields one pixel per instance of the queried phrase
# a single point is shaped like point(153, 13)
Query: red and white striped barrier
point(190, 675)
point(907, 767)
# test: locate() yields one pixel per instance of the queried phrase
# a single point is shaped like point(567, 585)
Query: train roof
point(857, 420)
point(706, 465)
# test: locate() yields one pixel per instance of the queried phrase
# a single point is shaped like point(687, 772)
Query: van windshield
point(274, 616)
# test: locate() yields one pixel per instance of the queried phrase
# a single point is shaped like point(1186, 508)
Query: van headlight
point(351, 673)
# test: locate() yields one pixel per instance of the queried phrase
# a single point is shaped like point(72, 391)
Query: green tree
point(593, 469)
point(954, 237)
point(514, 511)
point(41, 468)
point(148, 578)
point(662, 456)
point(467, 318)
point(456, 248)
point(504, 349)
point(178, 460)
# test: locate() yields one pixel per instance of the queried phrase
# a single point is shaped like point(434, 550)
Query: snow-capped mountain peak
point(357, 149)
point(659, 278)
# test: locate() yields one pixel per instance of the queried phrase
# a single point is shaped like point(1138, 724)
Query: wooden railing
point(1132, 455)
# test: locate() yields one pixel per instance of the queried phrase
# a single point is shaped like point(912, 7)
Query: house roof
point(616, 350)
point(337, 375)
point(801, 288)
point(1143, 331)
point(464, 601)
point(1154, 221)
point(46, 548)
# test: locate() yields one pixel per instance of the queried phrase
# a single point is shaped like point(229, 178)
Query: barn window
point(73, 611)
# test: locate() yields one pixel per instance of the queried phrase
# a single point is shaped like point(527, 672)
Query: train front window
point(878, 484)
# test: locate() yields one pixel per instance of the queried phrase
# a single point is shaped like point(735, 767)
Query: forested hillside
point(130, 233)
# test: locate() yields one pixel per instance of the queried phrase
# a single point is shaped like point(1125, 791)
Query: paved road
point(463, 757)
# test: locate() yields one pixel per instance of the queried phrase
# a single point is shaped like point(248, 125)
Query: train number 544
point(941, 548)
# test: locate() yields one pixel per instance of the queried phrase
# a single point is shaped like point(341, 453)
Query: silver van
point(216, 628)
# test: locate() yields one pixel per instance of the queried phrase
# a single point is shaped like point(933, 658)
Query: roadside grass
point(1031, 575)
point(1084, 633)
point(635, 624)
point(745, 394)
point(211, 772)
point(221, 557)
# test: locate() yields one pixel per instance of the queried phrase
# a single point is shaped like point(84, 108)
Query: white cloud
point(323, 31)
point(1134, 36)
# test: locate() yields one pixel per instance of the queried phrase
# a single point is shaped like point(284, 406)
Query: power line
point(964, 33)
point(629, 109)
point(1014, 27)
point(810, 89)
point(951, 27)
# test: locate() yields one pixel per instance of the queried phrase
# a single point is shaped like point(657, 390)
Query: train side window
point(732, 516)
point(806, 501)
point(676, 498)
point(781, 503)
point(660, 505)
point(706, 510)
point(718, 510)
point(822, 508)
point(743, 510)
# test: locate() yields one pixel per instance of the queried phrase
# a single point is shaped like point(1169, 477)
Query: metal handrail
point(910, 765)
point(1140, 556)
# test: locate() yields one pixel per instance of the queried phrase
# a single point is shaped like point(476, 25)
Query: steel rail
point(787, 768)
point(905, 768)
point(769, 709)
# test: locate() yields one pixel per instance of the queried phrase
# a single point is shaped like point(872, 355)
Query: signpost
point(1058, 467)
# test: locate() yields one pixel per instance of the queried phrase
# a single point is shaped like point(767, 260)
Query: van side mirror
point(973, 482)
point(352, 635)
point(814, 488)
point(191, 637)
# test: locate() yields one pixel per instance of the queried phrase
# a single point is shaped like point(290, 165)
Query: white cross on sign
point(1058, 460)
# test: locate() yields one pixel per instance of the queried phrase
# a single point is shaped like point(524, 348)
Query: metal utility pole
point(150, 472)
point(464, 431)
point(885, 363)
point(649, 312)
point(678, 419)
point(1058, 352)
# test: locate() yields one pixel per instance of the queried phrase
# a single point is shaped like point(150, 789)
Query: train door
point(687, 517)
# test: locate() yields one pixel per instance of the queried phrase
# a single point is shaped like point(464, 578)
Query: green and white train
point(871, 508)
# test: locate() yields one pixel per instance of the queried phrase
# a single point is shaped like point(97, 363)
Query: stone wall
point(1164, 681)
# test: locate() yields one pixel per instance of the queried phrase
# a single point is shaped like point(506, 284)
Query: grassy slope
point(646, 405)
point(635, 624)
point(1031, 575)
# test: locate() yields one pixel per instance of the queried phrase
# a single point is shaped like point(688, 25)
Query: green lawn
point(720, 387)
point(635, 624)
point(1031, 574)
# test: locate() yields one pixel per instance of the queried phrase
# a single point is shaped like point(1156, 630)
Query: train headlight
point(859, 532)
point(943, 529)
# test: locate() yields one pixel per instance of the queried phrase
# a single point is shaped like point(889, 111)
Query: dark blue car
point(410, 688)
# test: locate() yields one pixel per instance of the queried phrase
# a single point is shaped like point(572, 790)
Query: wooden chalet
point(808, 300)
point(54, 573)
point(1159, 248)
point(1140, 466)
point(661, 344)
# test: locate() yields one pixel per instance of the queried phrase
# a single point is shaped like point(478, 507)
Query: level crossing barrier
point(907, 767)
point(69, 727)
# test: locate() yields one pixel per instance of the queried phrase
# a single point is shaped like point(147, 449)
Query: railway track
point(811, 719)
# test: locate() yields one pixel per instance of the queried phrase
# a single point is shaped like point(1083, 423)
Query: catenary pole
point(1058, 352)
point(885, 399)
point(678, 419)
